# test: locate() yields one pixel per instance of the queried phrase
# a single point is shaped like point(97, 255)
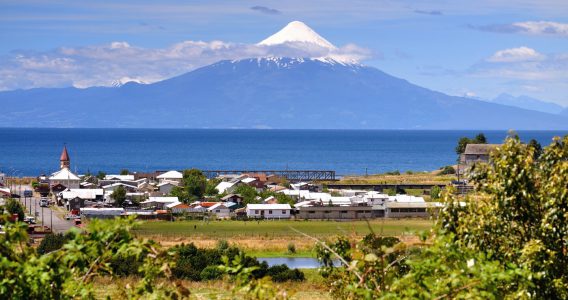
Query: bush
point(395, 172)
point(52, 242)
point(126, 265)
point(211, 273)
point(447, 170)
point(435, 193)
point(281, 273)
point(15, 208)
point(291, 248)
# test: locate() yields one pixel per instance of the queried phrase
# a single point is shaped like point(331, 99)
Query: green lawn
point(320, 229)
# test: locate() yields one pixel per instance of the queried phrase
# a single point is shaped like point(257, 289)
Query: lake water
point(294, 262)
point(31, 152)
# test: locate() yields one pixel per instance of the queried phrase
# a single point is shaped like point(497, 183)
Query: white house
point(166, 186)
point(220, 210)
point(86, 194)
point(66, 178)
point(119, 177)
point(170, 176)
point(158, 202)
point(269, 211)
point(178, 207)
point(112, 187)
point(226, 187)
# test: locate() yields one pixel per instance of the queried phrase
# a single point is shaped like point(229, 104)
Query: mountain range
point(269, 92)
point(527, 102)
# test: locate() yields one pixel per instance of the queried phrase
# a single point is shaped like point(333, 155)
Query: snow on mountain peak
point(297, 32)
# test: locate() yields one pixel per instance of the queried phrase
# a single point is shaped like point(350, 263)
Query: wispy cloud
point(429, 12)
point(105, 65)
point(520, 54)
point(529, 27)
point(523, 63)
point(266, 10)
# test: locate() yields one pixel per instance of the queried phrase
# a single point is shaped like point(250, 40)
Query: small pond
point(294, 262)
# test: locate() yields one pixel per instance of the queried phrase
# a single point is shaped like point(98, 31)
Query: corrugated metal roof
point(479, 149)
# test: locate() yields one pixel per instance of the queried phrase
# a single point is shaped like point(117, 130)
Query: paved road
point(47, 215)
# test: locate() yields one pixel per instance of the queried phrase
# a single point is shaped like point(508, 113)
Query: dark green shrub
point(281, 273)
point(211, 273)
point(52, 242)
point(291, 248)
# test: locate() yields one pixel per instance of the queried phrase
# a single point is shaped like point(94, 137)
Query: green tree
point(464, 141)
point(194, 183)
point(124, 172)
point(181, 193)
point(435, 192)
point(101, 175)
point(119, 195)
point(509, 240)
point(52, 242)
point(537, 148)
point(480, 139)
point(15, 208)
point(248, 193)
point(211, 189)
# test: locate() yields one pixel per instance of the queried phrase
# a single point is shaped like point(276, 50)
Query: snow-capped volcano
point(297, 32)
point(299, 37)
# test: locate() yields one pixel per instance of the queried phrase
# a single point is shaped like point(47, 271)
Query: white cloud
point(516, 55)
point(117, 62)
point(523, 63)
point(543, 28)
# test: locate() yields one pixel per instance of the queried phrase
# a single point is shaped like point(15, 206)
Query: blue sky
point(477, 48)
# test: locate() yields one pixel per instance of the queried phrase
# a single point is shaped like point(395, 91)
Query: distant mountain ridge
point(527, 102)
point(267, 93)
point(320, 92)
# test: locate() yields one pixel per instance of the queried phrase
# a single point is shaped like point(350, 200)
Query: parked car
point(30, 220)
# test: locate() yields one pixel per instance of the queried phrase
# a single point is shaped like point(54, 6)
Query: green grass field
point(267, 229)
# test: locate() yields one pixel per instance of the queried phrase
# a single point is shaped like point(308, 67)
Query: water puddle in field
point(294, 262)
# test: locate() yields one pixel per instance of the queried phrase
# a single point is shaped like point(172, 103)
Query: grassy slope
point(424, 178)
point(268, 229)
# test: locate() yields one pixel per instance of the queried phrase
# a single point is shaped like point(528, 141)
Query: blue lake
point(30, 152)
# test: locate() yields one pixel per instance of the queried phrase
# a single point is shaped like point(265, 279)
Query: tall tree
point(119, 195)
point(480, 139)
point(537, 148)
point(194, 183)
point(462, 142)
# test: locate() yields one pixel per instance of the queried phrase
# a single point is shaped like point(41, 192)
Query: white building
point(226, 187)
point(119, 177)
point(220, 210)
point(66, 178)
point(170, 176)
point(269, 211)
point(166, 187)
point(158, 202)
point(86, 194)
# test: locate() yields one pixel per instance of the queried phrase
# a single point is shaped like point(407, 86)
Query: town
point(190, 194)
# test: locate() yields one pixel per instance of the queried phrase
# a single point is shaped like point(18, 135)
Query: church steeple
point(64, 161)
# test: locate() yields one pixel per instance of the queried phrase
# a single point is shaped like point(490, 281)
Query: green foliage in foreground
point(510, 240)
point(14, 207)
point(68, 272)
